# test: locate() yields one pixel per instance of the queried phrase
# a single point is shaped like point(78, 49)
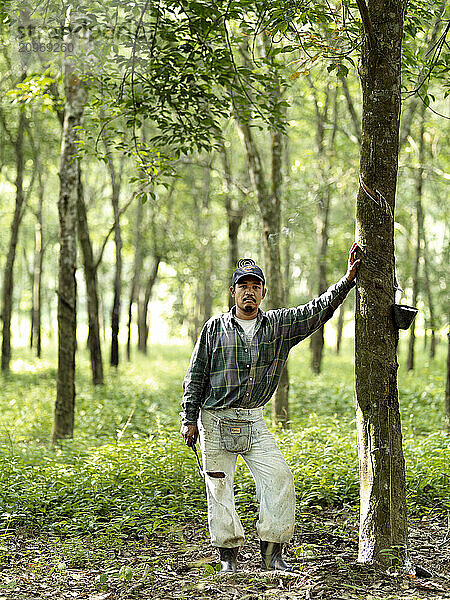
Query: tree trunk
point(115, 313)
point(67, 292)
point(447, 385)
point(90, 277)
point(317, 338)
point(323, 210)
point(37, 273)
point(340, 328)
point(235, 214)
point(143, 307)
point(427, 285)
point(8, 278)
point(419, 226)
point(137, 268)
point(383, 517)
point(270, 208)
point(206, 229)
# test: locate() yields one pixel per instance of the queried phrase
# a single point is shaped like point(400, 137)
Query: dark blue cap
point(246, 267)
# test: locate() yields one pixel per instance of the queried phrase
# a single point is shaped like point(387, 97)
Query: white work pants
point(273, 479)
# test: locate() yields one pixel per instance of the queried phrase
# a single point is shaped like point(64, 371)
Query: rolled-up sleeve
point(196, 380)
point(301, 321)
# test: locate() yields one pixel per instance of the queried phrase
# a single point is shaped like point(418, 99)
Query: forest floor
point(179, 564)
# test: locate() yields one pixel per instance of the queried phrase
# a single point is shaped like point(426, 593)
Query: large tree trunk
point(383, 516)
point(67, 292)
point(419, 226)
point(8, 279)
point(90, 277)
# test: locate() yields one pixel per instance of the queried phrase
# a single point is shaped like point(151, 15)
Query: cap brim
point(249, 275)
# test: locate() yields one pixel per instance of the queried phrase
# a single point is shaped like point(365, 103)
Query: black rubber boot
point(272, 558)
point(228, 559)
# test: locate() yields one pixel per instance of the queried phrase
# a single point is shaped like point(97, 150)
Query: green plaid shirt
point(226, 371)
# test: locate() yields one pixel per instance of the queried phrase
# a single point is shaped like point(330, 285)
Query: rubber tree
point(383, 514)
point(269, 201)
point(8, 278)
point(75, 98)
point(418, 238)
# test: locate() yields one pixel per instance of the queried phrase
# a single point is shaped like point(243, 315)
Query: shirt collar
point(231, 315)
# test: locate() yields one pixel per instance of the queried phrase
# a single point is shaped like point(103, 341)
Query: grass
point(127, 471)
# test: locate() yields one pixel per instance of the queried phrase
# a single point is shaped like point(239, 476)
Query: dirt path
point(181, 565)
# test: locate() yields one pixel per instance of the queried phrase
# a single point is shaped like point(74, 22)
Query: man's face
point(248, 293)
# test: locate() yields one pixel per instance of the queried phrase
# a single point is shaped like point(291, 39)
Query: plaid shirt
point(226, 371)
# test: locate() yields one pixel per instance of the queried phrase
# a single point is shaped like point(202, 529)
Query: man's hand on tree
point(190, 434)
point(353, 263)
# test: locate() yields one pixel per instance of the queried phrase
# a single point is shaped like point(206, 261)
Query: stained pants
point(273, 479)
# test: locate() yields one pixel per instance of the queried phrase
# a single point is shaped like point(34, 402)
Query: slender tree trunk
point(340, 328)
point(115, 313)
point(383, 516)
point(37, 272)
point(235, 214)
point(317, 338)
point(144, 327)
point(427, 285)
point(8, 277)
point(137, 268)
point(208, 258)
point(447, 385)
point(90, 277)
point(67, 292)
point(323, 210)
point(419, 226)
point(270, 208)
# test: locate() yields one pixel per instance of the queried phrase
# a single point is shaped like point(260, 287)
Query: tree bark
point(75, 94)
point(383, 516)
point(8, 278)
point(90, 277)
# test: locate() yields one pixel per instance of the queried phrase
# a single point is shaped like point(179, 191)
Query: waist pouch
point(235, 436)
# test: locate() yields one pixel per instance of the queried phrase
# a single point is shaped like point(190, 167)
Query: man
point(234, 370)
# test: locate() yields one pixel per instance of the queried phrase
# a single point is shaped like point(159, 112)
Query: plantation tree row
point(252, 137)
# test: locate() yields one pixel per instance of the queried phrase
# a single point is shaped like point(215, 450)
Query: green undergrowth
point(127, 470)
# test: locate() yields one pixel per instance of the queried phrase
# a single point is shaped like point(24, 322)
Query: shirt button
point(251, 378)
point(248, 366)
point(246, 349)
point(247, 394)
